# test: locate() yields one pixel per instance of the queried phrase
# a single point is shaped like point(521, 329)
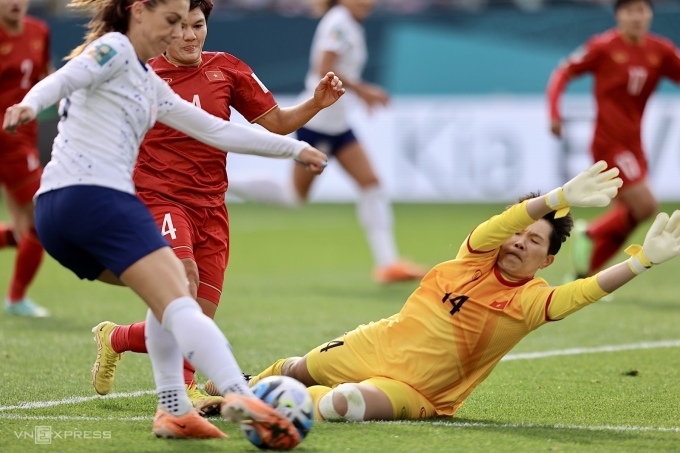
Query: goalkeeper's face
point(526, 251)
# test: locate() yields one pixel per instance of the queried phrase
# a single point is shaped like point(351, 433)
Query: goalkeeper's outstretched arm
point(594, 187)
point(661, 244)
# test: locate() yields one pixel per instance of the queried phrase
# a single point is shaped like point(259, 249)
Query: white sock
point(203, 344)
point(264, 190)
point(376, 218)
point(167, 364)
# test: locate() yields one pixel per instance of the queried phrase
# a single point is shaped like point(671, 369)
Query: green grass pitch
point(298, 278)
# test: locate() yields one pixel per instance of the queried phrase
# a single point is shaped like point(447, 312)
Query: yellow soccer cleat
point(187, 426)
point(204, 405)
point(211, 389)
point(104, 368)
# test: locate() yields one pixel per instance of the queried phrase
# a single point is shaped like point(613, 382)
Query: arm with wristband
point(662, 242)
point(596, 187)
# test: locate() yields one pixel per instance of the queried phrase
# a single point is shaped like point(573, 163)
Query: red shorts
point(631, 163)
point(20, 172)
point(199, 234)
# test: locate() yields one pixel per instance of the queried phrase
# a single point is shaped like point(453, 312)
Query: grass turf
point(298, 278)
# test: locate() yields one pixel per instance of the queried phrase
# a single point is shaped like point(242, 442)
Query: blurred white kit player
point(339, 45)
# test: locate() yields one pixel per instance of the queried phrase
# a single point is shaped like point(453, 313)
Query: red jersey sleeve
point(582, 60)
point(670, 67)
point(252, 99)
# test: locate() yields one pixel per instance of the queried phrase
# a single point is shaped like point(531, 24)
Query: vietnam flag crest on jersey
point(214, 75)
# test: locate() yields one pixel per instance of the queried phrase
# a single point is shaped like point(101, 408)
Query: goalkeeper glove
point(662, 243)
point(593, 187)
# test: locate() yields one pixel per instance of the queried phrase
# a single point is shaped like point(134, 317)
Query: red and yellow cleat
point(104, 368)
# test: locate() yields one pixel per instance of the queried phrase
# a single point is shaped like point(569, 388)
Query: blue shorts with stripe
point(327, 144)
point(89, 229)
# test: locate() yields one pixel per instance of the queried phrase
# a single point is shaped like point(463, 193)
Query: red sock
point(129, 338)
point(28, 259)
point(7, 236)
point(189, 372)
point(609, 232)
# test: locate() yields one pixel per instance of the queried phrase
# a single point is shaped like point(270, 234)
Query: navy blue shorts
point(327, 144)
point(88, 229)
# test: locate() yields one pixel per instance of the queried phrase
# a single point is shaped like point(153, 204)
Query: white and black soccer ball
point(288, 396)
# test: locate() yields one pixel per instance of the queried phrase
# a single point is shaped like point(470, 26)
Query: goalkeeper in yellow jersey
point(469, 312)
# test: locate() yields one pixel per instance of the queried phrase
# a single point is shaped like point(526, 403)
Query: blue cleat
point(25, 307)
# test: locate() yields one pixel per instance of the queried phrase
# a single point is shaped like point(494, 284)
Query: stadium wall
point(467, 149)
point(468, 121)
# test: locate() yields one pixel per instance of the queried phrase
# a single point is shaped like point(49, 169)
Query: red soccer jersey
point(625, 74)
point(175, 165)
point(24, 60)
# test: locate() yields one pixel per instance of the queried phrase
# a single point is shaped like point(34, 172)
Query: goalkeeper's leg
point(373, 399)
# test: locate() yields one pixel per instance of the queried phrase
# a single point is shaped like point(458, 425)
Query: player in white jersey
point(89, 219)
point(339, 45)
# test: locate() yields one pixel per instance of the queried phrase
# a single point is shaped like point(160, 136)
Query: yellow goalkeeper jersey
point(464, 317)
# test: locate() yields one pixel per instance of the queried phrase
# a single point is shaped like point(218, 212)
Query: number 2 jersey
point(626, 74)
point(174, 165)
point(24, 60)
point(465, 316)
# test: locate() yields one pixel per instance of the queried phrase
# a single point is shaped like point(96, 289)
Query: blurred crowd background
point(466, 76)
point(388, 7)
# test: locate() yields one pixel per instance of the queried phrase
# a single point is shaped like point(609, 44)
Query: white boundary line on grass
point(579, 351)
point(75, 400)
point(73, 418)
point(671, 429)
point(518, 356)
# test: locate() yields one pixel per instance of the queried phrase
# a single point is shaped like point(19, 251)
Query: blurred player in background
point(339, 45)
point(469, 312)
point(24, 60)
point(90, 220)
point(627, 63)
point(183, 181)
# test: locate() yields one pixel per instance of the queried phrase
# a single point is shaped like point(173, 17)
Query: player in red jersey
point(24, 60)
point(183, 182)
point(627, 63)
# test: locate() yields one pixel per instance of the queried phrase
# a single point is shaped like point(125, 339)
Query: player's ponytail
point(107, 16)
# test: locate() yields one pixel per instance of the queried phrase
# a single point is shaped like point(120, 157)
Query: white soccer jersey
point(109, 101)
point(340, 33)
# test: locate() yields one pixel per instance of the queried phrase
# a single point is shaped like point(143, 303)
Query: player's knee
point(345, 402)
point(289, 367)
point(191, 271)
point(647, 211)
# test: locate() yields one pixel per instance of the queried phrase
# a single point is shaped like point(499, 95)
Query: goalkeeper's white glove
point(591, 188)
point(662, 243)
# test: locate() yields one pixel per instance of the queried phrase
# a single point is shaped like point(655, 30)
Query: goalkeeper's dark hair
point(561, 227)
point(619, 3)
point(205, 5)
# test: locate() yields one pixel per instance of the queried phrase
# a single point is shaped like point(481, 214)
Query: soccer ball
point(288, 396)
